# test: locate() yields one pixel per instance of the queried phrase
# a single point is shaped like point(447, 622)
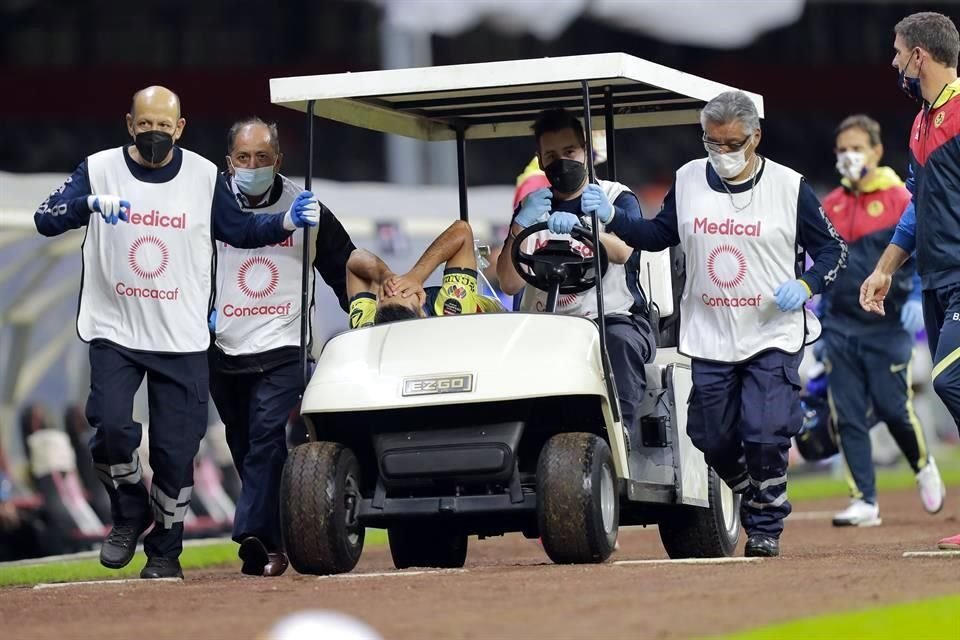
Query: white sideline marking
point(689, 561)
point(58, 585)
point(391, 574)
point(932, 554)
point(811, 515)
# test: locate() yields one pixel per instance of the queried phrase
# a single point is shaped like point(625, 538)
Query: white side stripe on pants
point(124, 473)
point(169, 511)
point(760, 506)
point(770, 482)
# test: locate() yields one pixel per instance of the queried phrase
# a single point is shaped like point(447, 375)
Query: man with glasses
point(745, 224)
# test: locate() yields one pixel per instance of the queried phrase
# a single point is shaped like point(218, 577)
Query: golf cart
point(498, 430)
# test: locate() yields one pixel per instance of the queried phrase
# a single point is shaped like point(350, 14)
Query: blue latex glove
point(111, 208)
point(818, 386)
point(562, 222)
point(911, 316)
point(790, 295)
point(212, 322)
point(534, 206)
point(594, 199)
point(304, 212)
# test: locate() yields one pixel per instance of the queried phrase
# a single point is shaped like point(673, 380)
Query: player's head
point(155, 123)
point(395, 308)
point(858, 147)
point(561, 149)
point(731, 132)
point(253, 155)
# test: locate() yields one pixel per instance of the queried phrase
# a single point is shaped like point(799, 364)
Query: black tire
point(695, 532)
point(578, 505)
point(425, 546)
point(319, 492)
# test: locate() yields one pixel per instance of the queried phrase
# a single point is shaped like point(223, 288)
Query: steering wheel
point(557, 263)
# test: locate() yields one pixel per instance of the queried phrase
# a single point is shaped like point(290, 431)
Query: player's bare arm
point(366, 273)
point(454, 247)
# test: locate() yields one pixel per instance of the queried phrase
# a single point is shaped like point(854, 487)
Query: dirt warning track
point(509, 590)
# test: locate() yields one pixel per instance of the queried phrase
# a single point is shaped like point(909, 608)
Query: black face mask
point(565, 175)
point(153, 145)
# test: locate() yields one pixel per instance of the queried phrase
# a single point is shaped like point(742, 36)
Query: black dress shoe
point(277, 565)
point(118, 549)
point(760, 546)
point(257, 561)
point(162, 568)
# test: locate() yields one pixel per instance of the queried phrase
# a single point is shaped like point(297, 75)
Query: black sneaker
point(760, 546)
point(121, 543)
point(162, 568)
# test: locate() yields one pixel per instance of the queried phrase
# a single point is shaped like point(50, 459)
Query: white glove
point(111, 208)
point(304, 212)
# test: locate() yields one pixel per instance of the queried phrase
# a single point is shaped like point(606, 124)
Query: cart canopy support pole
point(595, 223)
point(462, 171)
point(611, 133)
point(305, 309)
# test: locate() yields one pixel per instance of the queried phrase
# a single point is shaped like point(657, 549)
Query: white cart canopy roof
point(501, 99)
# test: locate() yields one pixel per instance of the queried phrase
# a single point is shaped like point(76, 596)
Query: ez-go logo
point(435, 385)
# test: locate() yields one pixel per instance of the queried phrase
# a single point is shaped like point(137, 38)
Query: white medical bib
point(147, 282)
point(258, 290)
point(735, 260)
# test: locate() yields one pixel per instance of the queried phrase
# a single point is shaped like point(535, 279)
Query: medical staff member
point(255, 375)
point(868, 356)
point(144, 298)
point(927, 46)
point(561, 149)
point(742, 220)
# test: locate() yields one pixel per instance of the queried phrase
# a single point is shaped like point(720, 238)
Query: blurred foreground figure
point(317, 625)
point(927, 46)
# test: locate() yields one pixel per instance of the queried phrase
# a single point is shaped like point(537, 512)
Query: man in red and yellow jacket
point(927, 48)
point(868, 355)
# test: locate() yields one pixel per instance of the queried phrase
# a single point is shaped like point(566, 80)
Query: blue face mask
point(910, 86)
point(253, 182)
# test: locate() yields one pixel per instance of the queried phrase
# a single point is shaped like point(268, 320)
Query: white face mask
point(728, 165)
point(852, 165)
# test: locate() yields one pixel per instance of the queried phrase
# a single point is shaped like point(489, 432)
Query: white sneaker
point(858, 514)
point(932, 491)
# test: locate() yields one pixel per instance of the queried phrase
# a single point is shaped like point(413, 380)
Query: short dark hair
point(557, 120)
point(934, 32)
point(387, 313)
point(240, 124)
point(865, 123)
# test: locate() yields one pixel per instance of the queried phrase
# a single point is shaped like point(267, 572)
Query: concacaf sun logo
point(148, 257)
point(258, 277)
point(726, 266)
point(875, 209)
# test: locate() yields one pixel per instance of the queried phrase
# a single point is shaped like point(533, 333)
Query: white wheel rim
point(607, 498)
point(727, 505)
